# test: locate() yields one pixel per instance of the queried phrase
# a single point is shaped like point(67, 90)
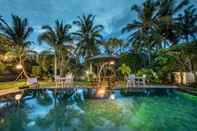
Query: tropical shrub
point(2, 67)
point(124, 70)
point(151, 76)
point(134, 61)
point(36, 71)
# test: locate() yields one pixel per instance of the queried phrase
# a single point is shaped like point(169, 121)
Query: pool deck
point(10, 91)
point(132, 89)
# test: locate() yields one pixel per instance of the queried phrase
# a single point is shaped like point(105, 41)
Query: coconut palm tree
point(156, 26)
point(113, 46)
point(18, 33)
point(57, 37)
point(141, 29)
point(166, 15)
point(144, 24)
point(88, 36)
point(187, 22)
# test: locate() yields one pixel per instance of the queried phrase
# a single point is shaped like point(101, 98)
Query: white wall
point(188, 77)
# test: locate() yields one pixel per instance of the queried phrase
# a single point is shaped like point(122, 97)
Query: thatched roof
point(103, 58)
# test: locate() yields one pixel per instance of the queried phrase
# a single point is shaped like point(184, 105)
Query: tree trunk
point(61, 65)
point(181, 73)
point(23, 67)
point(55, 67)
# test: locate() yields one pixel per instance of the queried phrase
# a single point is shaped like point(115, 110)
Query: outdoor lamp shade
point(19, 66)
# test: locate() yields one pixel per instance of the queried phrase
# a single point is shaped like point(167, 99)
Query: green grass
point(22, 83)
point(17, 84)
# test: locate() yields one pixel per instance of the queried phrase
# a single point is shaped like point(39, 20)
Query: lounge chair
point(33, 82)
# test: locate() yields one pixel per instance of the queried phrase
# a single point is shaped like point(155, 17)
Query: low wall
point(188, 77)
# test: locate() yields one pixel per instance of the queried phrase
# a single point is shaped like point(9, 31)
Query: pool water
point(61, 111)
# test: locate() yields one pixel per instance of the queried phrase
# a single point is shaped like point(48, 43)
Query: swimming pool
point(79, 110)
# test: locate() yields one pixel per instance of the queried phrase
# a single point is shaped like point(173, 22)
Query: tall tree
point(140, 30)
point(166, 16)
point(18, 33)
point(188, 24)
point(113, 46)
point(156, 26)
point(57, 37)
point(88, 36)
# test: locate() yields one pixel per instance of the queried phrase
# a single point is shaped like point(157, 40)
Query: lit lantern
point(101, 92)
point(18, 98)
point(19, 67)
point(112, 97)
point(87, 72)
point(5, 57)
point(111, 62)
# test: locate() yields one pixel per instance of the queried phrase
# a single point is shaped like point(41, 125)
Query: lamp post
point(19, 67)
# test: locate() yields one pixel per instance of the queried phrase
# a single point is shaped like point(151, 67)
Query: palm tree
point(57, 38)
point(113, 46)
point(167, 25)
point(187, 22)
point(156, 26)
point(142, 28)
point(18, 33)
point(88, 36)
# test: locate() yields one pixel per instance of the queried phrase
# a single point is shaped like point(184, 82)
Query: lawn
point(17, 84)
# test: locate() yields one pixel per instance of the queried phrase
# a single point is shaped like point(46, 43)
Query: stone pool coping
point(132, 89)
point(15, 91)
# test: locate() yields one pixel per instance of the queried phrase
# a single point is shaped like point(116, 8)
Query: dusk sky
point(113, 14)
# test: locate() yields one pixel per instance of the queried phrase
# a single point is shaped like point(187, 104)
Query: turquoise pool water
point(63, 111)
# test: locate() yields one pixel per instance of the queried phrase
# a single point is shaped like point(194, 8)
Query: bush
point(37, 71)
point(150, 75)
point(124, 70)
point(2, 67)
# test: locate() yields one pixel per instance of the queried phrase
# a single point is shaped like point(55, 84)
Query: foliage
point(133, 60)
point(18, 33)
point(113, 46)
point(125, 70)
point(88, 36)
point(60, 39)
point(2, 67)
point(157, 26)
point(150, 75)
point(36, 71)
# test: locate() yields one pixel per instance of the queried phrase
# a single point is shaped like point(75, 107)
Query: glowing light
point(5, 57)
point(101, 92)
point(87, 72)
point(112, 97)
point(111, 62)
point(19, 66)
point(18, 97)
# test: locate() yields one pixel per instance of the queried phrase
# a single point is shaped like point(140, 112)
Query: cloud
point(113, 14)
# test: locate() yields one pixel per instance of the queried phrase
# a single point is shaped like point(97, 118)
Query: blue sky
point(113, 14)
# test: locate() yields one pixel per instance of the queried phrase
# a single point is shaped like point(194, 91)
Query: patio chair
point(131, 82)
point(68, 80)
point(33, 82)
point(59, 83)
point(141, 81)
